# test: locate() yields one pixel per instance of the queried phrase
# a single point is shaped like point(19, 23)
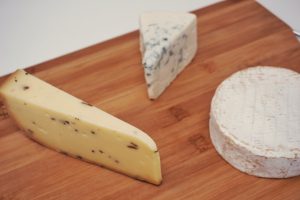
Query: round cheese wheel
point(255, 121)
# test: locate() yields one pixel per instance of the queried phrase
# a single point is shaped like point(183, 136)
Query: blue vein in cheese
point(168, 42)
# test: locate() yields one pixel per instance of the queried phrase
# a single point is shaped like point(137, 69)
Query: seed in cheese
point(168, 42)
point(255, 121)
point(69, 125)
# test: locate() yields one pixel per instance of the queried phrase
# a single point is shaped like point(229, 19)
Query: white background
point(34, 31)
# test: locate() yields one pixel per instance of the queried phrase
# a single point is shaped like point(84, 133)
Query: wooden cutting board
point(232, 35)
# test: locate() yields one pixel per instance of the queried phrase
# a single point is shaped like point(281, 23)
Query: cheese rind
point(69, 125)
point(255, 121)
point(168, 42)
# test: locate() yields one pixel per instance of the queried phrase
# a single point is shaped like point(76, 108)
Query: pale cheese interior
point(67, 124)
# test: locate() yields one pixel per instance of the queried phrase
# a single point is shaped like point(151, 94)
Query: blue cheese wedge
point(168, 42)
point(69, 125)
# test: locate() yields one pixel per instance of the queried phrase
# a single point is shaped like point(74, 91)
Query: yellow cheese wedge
point(69, 125)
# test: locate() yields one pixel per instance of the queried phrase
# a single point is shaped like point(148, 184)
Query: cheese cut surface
point(168, 42)
point(71, 126)
point(255, 121)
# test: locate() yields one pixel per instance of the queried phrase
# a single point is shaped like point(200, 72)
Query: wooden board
point(232, 35)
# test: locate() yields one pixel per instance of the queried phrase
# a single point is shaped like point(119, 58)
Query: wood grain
point(232, 35)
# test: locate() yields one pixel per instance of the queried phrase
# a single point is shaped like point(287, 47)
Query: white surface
point(255, 121)
point(34, 31)
point(288, 11)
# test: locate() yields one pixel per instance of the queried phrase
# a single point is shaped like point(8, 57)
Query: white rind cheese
point(71, 126)
point(255, 121)
point(168, 42)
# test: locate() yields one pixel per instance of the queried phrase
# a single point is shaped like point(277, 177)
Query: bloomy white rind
point(245, 161)
point(256, 162)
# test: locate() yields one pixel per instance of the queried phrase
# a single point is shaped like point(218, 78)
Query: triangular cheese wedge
point(168, 42)
point(71, 126)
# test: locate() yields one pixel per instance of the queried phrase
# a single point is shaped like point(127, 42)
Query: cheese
point(168, 42)
point(255, 121)
point(71, 126)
